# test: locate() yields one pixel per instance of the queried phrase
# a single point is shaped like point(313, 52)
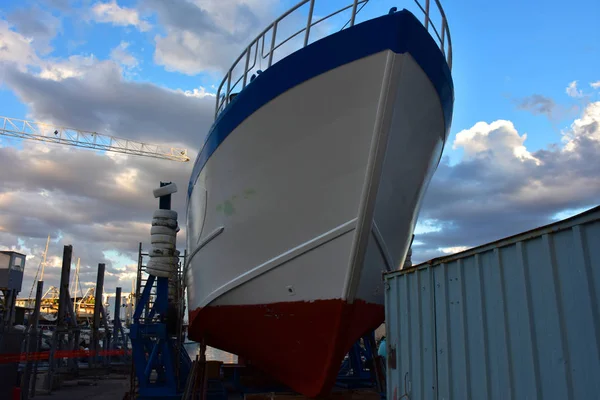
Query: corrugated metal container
point(514, 319)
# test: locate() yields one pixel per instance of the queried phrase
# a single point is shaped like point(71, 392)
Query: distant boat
point(308, 187)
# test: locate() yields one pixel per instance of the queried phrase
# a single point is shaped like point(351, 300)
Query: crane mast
point(22, 129)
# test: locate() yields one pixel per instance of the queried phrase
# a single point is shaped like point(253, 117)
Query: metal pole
point(117, 319)
point(117, 315)
point(107, 337)
point(63, 309)
point(309, 23)
point(97, 311)
point(354, 5)
point(248, 51)
point(32, 341)
point(272, 44)
point(63, 296)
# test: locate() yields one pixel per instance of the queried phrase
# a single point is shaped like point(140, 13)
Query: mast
point(76, 283)
point(44, 258)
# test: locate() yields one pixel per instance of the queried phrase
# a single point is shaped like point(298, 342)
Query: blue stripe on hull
point(400, 32)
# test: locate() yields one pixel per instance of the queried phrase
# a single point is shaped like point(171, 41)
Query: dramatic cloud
point(96, 97)
point(595, 85)
point(100, 203)
point(499, 137)
point(499, 188)
point(111, 12)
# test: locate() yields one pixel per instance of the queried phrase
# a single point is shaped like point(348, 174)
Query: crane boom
point(32, 130)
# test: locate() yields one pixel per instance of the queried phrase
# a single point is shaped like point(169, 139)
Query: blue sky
point(142, 70)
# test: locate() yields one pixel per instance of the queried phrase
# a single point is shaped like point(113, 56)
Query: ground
point(108, 388)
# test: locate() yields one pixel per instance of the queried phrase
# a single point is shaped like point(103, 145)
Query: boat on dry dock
point(308, 187)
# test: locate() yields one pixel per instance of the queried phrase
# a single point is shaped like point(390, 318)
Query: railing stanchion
point(228, 86)
point(308, 24)
point(443, 36)
point(272, 43)
point(427, 15)
point(247, 65)
point(353, 17)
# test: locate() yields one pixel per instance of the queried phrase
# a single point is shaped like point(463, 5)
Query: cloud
point(199, 92)
point(15, 49)
point(206, 36)
point(595, 85)
point(95, 202)
point(572, 90)
point(111, 12)
point(72, 67)
point(92, 95)
point(499, 188)
point(37, 25)
point(499, 139)
point(63, 5)
point(538, 104)
point(99, 202)
point(122, 56)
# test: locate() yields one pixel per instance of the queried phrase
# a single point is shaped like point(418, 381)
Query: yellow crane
point(22, 129)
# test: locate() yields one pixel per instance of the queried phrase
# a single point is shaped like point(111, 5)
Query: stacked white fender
point(164, 256)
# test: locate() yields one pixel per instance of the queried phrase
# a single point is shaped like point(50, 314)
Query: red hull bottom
point(302, 344)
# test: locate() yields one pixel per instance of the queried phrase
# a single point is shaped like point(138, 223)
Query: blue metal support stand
point(359, 368)
point(160, 369)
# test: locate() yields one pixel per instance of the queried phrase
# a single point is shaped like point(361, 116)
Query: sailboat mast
point(44, 259)
point(76, 283)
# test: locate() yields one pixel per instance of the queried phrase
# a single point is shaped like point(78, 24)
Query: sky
point(522, 152)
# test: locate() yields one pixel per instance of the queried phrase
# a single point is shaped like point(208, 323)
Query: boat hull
point(299, 343)
point(294, 217)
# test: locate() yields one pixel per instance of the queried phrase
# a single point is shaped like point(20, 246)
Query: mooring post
point(93, 360)
point(63, 307)
point(117, 329)
point(63, 296)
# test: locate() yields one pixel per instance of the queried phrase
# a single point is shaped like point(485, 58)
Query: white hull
point(317, 192)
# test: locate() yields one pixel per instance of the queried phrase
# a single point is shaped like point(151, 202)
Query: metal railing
point(255, 51)
point(443, 38)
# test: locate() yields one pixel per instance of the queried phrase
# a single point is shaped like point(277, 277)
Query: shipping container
point(514, 319)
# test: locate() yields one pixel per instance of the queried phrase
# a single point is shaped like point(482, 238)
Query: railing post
point(309, 23)
point(228, 86)
point(246, 67)
point(272, 43)
point(354, 5)
point(217, 102)
point(443, 36)
point(427, 15)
